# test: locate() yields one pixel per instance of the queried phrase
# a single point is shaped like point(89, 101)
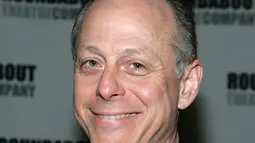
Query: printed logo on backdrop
point(17, 80)
point(41, 9)
point(29, 140)
point(241, 89)
point(224, 12)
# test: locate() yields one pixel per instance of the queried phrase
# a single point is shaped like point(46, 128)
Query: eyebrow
point(123, 53)
point(93, 50)
point(133, 51)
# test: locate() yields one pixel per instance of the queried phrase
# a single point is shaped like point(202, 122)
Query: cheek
point(149, 91)
point(84, 90)
point(158, 92)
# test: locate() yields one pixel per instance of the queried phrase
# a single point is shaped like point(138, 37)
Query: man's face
point(125, 83)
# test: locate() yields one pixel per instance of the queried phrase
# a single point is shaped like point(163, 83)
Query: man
point(135, 66)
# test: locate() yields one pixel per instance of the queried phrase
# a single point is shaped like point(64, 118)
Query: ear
point(189, 84)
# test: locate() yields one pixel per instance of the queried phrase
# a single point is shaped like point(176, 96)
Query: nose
point(109, 87)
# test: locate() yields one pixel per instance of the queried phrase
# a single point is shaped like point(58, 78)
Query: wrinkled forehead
point(155, 15)
point(150, 23)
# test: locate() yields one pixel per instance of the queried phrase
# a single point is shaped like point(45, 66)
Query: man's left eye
point(136, 69)
point(136, 66)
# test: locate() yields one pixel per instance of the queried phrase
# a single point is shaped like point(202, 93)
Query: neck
point(173, 139)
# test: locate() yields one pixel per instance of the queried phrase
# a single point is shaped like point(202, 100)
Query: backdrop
point(36, 90)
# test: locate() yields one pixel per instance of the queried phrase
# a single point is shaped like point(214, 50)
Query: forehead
point(124, 22)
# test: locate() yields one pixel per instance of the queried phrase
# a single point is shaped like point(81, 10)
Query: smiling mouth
point(120, 116)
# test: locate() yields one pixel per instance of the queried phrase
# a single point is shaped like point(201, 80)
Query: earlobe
point(190, 84)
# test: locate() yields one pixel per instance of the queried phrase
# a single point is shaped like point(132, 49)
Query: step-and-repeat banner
point(36, 90)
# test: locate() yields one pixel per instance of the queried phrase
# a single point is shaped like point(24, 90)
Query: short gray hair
point(185, 45)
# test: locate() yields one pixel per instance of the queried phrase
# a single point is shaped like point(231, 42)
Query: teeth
point(114, 117)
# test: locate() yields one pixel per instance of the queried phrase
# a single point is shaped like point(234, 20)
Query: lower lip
point(115, 123)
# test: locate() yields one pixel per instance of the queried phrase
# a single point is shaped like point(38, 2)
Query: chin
point(120, 137)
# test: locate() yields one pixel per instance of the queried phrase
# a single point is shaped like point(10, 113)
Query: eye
point(137, 69)
point(90, 66)
point(91, 63)
point(136, 66)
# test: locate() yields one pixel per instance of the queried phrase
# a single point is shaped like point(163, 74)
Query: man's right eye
point(91, 63)
point(90, 66)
